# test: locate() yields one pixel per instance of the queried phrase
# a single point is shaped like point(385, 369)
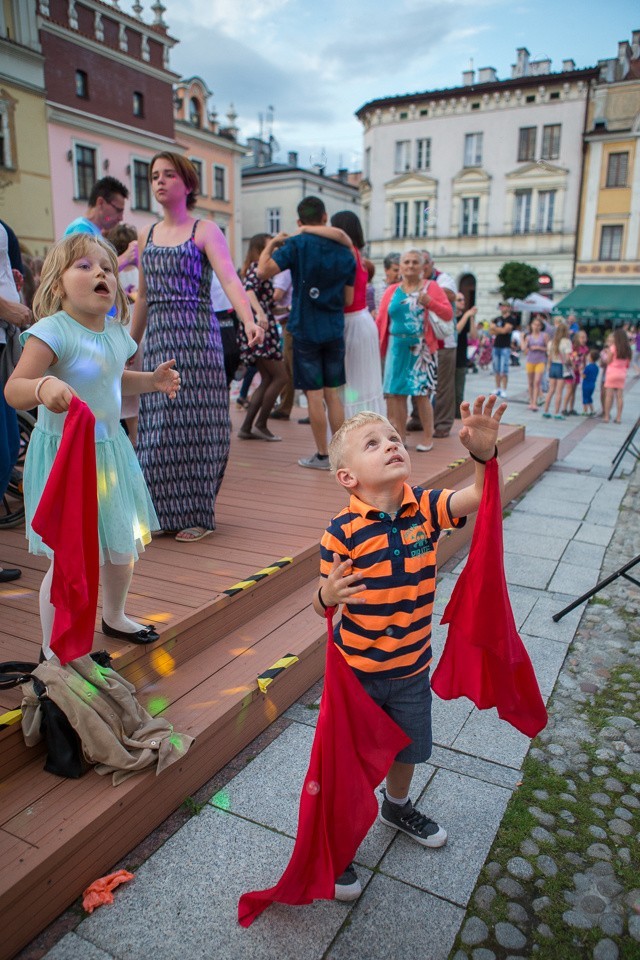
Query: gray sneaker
point(348, 886)
point(315, 462)
point(413, 823)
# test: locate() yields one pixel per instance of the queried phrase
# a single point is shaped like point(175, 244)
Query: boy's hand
point(341, 585)
point(167, 380)
point(480, 428)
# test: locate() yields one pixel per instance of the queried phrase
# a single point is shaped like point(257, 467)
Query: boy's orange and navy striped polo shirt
point(389, 634)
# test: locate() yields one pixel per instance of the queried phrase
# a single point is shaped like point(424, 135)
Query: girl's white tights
point(116, 579)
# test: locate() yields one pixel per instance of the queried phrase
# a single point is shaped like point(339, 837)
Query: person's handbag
point(441, 328)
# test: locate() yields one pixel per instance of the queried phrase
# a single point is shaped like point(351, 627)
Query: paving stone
point(528, 848)
point(605, 950)
point(73, 947)
point(520, 868)
point(517, 914)
point(572, 579)
point(544, 930)
point(634, 926)
point(540, 904)
point(543, 836)
point(481, 953)
point(547, 659)
point(587, 555)
point(599, 851)
point(448, 718)
point(510, 887)
point(539, 623)
point(547, 866)
point(452, 870)
point(502, 776)
point(534, 544)
point(486, 735)
point(391, 918)
point(578, 920)
point(484, 896)
point(527, 571)
point(566, 508)
point(546, 819)
point(530, 523)
point(611, 924)
point(509, 936)
point(199, 875)
point(474, 931)
point(621, 827)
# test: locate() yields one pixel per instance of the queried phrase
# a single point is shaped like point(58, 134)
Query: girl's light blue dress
point(92, 363)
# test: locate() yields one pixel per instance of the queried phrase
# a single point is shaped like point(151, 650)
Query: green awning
point(597, 302)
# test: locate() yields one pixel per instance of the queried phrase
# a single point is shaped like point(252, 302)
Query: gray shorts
point(408, 702)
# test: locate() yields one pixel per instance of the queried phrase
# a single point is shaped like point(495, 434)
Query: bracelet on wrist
point(39, 384)
point(483, 462)
point(320, 600)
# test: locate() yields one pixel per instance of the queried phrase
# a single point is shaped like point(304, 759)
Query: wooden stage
point(56, 836)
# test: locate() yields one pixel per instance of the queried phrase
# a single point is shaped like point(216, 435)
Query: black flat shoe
point(146, 635)
point(7, 575)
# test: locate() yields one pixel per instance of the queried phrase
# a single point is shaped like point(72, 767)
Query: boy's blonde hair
point(48, 298)
point(338, 445)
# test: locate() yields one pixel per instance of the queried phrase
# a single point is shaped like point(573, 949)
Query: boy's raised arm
point(479, 435)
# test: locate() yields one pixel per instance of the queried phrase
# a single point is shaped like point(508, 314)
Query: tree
point(517, 280)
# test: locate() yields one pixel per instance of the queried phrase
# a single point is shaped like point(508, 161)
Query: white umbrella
point(534, 303)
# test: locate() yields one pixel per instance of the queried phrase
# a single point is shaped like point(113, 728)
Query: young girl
point(559, 352)
point(579, 355)
point(267, 356)
point(535, 346)
point(616, 373)
point(76, 350)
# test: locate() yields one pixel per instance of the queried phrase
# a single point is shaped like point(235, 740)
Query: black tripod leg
point(599, 586)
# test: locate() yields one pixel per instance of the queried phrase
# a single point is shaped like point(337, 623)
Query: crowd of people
point(305, 312)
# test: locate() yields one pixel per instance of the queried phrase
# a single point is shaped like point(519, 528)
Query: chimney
point(468, 78)
point(487, 75)
point(343, 174)
point(538, 68)
point(292, 158)
point(568, 66)
point(635, 44)
point(521, 68)
point(607, 70)
point(624, 57)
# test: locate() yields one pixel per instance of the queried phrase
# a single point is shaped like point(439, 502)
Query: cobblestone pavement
point(563, 877)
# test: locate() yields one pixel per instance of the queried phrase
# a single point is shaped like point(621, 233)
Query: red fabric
point(100, 891)
point(484, 658)
point(67, 521)
point(439, 304)
point(354, 745)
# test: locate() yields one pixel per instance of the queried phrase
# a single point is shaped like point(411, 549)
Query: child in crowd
point(589, 378)
point(560, 370)
point(75, 349)
point(579, 354)
point(378, 558)
point(616, 373)
point(535, 345)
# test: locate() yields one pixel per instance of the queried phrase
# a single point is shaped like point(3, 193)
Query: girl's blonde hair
point(560, 333)
point(63, 254)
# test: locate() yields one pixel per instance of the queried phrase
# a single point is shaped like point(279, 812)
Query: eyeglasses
point(118, 209)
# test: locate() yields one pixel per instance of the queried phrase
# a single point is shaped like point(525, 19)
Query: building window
point(473, 150)
point(522, 212)
point(401, 228)
point(273, 220)
point(421, 217)
point(195, 113)
point(470, 214)
point(141, 186)
point(611, 243)
point(198, 168)
point(367, 164)
point(423, 153)
point(551, 141)
point(85, 159)
point(402, 158)
point(6, 153)
point(527, 143)
point(82, 84)
point(219, 183)
point(138, 104)
point(617, 168)
point(546, 205)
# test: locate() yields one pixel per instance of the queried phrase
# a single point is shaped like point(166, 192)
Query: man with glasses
point(105, 211)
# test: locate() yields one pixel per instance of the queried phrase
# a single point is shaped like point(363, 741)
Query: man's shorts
point(536, 367)
point(408, 702)
point(318, 365)
point(501, 357)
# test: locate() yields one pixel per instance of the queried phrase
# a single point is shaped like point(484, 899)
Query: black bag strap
point(15, 672)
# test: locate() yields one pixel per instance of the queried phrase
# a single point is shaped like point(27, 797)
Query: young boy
point(589, 378)
point(322, 272)
point(378, 559)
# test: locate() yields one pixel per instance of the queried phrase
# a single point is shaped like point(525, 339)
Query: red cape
point(354, 745)
point(67, 521)
point(484, 658)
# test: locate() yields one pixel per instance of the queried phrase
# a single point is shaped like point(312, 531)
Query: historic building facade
point(109, 101)
point(609, 225)
point(217, 155)
point(25, 185)
point(480, 174)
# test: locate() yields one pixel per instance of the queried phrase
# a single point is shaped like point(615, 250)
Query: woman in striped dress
point(183, 446)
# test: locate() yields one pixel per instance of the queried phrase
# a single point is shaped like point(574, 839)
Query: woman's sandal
point(192, 534)
point(261, 434)
point(423, 448)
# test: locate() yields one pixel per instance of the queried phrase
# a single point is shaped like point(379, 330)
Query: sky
point(315, 62)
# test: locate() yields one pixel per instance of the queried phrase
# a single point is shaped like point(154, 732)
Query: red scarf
point(484, 658)
point(67, 521)
point(354, 745)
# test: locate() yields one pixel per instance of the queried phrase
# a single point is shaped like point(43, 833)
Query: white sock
point(47, 612)
point(116, 580)
point(398, 802)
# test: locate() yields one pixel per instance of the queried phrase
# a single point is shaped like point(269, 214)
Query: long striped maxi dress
point(183, 444)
